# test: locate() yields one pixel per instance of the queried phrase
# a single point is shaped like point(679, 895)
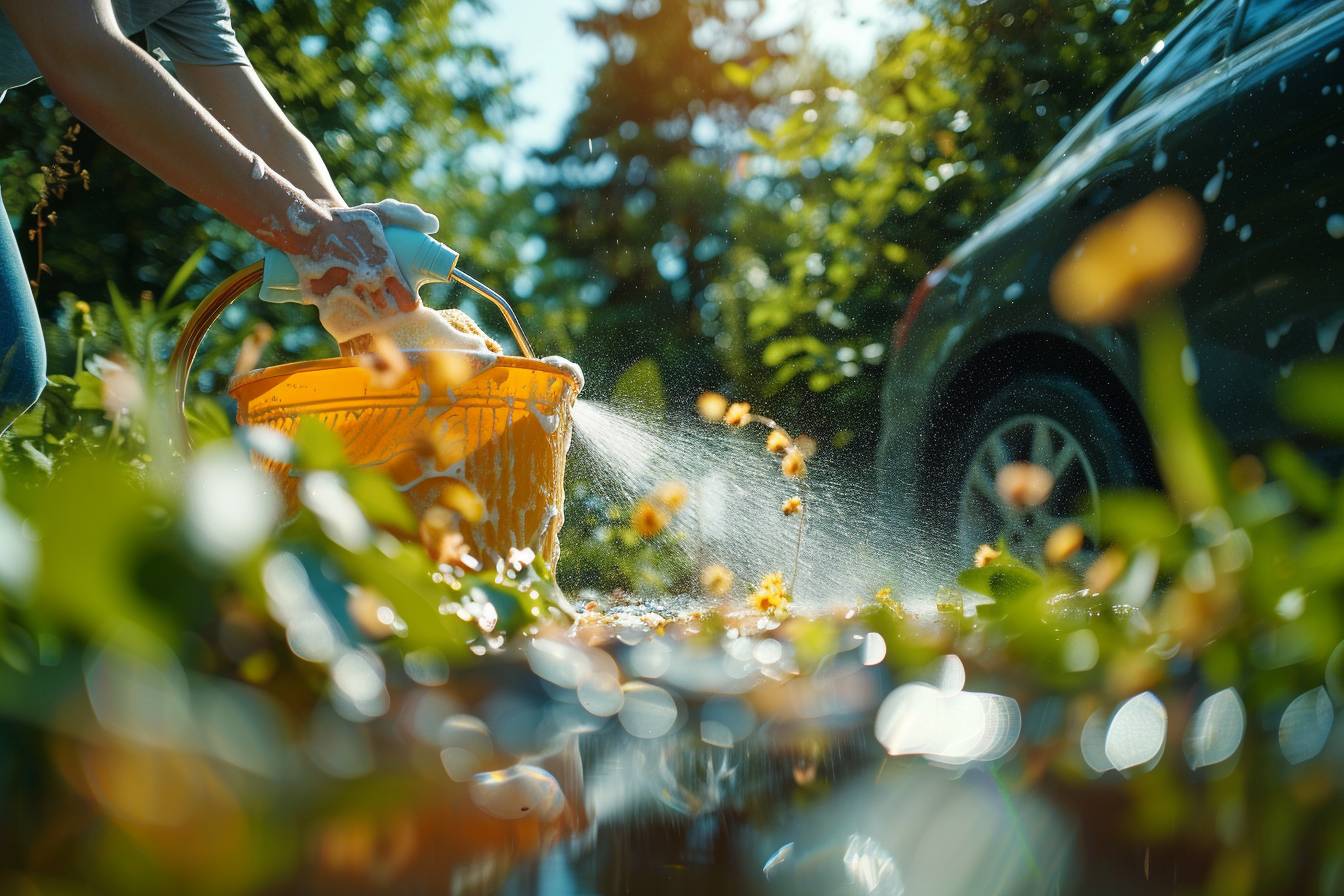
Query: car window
point(1197, 50)
point(1267, 16)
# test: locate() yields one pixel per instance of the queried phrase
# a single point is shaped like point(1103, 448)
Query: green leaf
point(380, 501)
point(641, 387)
point(1310, 397)
point(1308, 485)
point(317, 447)
point(1004, 578)
point(1133, 517)
point(181, 276)
point(207, 421)
point(89, 395)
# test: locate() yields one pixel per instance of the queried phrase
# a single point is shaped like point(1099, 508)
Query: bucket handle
point(224, 295)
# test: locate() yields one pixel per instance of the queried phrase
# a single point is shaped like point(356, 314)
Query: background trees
point(722, 206)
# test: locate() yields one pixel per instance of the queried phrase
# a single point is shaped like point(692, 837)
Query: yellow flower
point(738, 414)
point(445, 371)
point(1021, 484)
point(672, 495)
point(442, 541)
point(386, 364)
point(770, 597)
point(1063, 543)
point(711, 406)
point(369, 612)
point(1105, 570)
point(647, 520)
point(716, 579)
point(806, 445)
point(459, 496)
point(791, 506)
point(1129, 258)
point(82, 307)
point(778, 441)
point(883, 594)
point(793, 465)
point(984, 555)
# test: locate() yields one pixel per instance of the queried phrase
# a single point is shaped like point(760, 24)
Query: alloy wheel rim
point(983, 516)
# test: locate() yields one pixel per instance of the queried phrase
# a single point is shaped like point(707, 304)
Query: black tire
point(1104, 439)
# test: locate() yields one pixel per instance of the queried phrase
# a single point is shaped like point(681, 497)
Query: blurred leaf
point(1308, 485)
point(89, 396)
point(181, 276)
point(1310, 397)
point(1003, 578)
point(382, 504)
point(641, 387)
point(317, 447)
point(1131, 518)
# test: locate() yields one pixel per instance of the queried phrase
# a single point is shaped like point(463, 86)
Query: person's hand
point(350, 268)
point(395, 213)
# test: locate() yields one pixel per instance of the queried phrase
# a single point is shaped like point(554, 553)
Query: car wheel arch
point(992, 367)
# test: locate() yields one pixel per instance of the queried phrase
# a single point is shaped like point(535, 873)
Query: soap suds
point(567, 366)
point(258, 168)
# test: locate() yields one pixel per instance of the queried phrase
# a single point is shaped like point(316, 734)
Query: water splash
point(851, 544)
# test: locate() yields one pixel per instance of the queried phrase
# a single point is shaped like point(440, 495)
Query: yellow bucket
point(504, 433)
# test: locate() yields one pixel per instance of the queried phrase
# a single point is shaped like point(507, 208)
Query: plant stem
point(798, 544)
point(79, 355)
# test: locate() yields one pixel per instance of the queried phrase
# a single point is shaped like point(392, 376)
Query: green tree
point(636, 195)
point(866, 183)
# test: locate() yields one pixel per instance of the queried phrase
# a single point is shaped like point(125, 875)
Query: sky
point(544, 49)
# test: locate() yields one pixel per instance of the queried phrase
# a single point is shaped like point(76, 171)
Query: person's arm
point(123, 94)
point(235, 96)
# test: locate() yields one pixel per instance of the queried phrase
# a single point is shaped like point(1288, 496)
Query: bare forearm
point(134, 105)
point(235, 96)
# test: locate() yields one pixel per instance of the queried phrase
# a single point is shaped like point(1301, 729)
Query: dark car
point(1242, 106)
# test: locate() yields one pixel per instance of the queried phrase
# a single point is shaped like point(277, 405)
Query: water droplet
point(871, 868)
point(648, 710)
point(1334, 225)
point(1306, 725)
point(1215, 185)
point(1230, 223)
point(1332, 55)
point(1245, 233)
point(520, 791)
point(874, 649)
point(1137, 732)
point(601, 694)
point(1283, 84)
point(1216, 729)
point(466, 746)
point(780, 856)
point(1189, 366)
point(1013, 292)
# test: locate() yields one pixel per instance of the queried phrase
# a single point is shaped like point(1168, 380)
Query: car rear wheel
point(1052, 422)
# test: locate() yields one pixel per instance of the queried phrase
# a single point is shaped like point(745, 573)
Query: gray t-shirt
point(191, 31)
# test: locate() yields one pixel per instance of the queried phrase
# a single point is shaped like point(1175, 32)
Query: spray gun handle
point(421, 259)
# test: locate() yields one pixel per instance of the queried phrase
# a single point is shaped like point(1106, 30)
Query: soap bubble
point(520, 791)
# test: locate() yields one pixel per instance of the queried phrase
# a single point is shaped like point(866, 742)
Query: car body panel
point(993, 289)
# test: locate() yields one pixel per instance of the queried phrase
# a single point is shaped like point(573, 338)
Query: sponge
point(414, 333)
